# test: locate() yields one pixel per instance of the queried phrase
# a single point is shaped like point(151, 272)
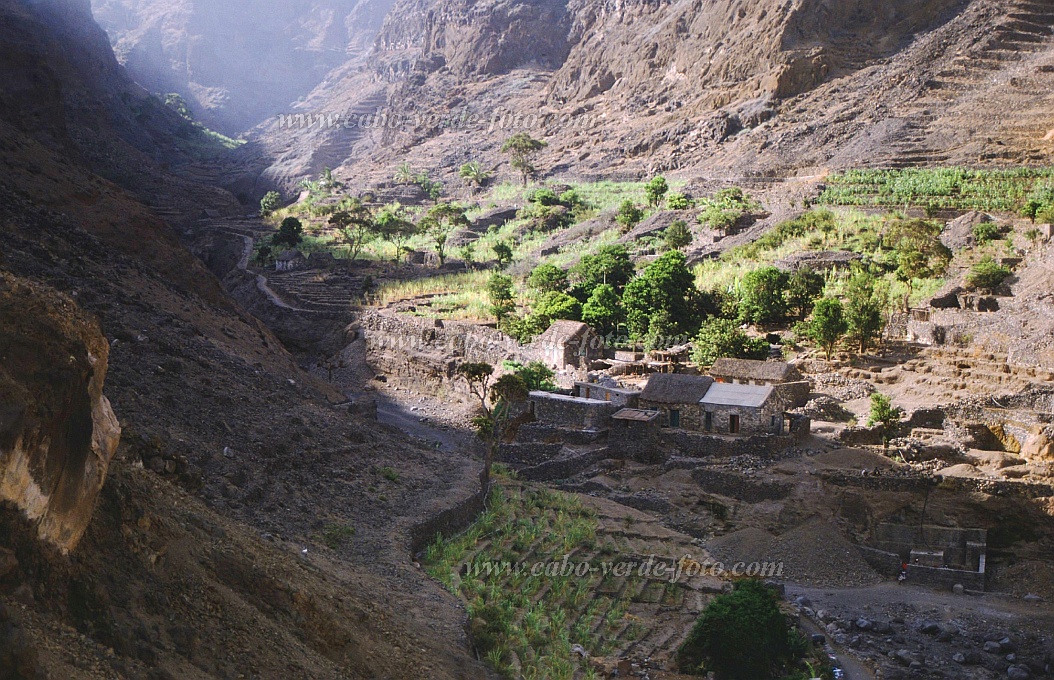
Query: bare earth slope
point(245, 526)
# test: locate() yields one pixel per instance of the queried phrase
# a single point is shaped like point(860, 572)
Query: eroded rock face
point(1039, 447)
point(57, 430)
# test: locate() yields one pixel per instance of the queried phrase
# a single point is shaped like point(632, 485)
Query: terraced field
point(532, 617)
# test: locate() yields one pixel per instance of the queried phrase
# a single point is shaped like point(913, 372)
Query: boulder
point(1039, 446)
point(495, 217)
point(57, 430)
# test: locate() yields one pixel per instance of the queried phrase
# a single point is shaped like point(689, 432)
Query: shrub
point(986, 232)
point(987, 275)
point(678, 201)
point(741, 635)
point(270, 202)
point(677, 235)
point(655, 190)
point(557, 305)
point(762, 296)
point(536, 375)
point(628, 215)
point(290, 234)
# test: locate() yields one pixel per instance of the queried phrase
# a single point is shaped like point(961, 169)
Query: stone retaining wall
point(734, 485)
point(447, 523)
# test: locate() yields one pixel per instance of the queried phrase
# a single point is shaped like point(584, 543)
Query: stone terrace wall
point(427, 351)
point(734, 485)
point(696, 445)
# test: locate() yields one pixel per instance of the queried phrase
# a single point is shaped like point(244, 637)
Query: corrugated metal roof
point(727, 394)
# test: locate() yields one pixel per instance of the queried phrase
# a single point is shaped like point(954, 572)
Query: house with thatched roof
point(567, 344)
point(751, 372)
point(289, 260)
point(676, 396)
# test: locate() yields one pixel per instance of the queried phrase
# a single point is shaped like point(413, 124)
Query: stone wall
point(698, 445)
point(734, 485)
point(565, 411)
point(564, 468)
point(945, 579)
point(428, 351)
point(528, 454)
point(447, 523)
point(552, 434)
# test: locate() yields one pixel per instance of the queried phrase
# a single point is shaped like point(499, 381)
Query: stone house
point(289, 260)
point(568, 344)
point(699, 403)
point(676, 397)
point(635, 433)
point(616, 395)
point(563, 410)
point(751, 372)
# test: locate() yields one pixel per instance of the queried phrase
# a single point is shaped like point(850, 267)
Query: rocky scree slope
point(698, 88)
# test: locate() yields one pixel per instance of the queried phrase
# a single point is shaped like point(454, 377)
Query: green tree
point(655, 190)
point(610, 264)
point(761, 296)
point(665, 286)
point(269, 203)
point(603, 309)
point(864, 310)
point(474, 173)
point(723, 338)
point(500, 292)
point(677, 235)
point(555, 306)
point(439, 222)
point(496, 401)
point(290, 233)
point(1031, 209)
point(503, 253)
point(828, 325)
point(628, 215)
point(987, 274)
point(394, 225)
point(741, 635)
point(803, 288)
point(521, 149)
point(536, 375)
point(355, 225)
point(884, 414)
point(547, 277)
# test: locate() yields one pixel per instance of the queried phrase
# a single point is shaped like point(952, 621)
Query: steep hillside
point(244, 527)
point(237, 63)
point(698, 88)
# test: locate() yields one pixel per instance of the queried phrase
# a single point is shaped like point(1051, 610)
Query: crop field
point(539, 625)
point(938, 188)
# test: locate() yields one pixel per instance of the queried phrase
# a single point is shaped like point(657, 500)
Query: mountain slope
point(715, 88)
point(233, 461)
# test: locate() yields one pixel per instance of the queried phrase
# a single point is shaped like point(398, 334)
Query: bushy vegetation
point(723, 339)
point(726, 208)
point(743, 635)
point(987, 274)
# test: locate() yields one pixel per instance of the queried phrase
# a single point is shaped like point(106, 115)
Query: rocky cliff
point(703, 88)
point(57, 430)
